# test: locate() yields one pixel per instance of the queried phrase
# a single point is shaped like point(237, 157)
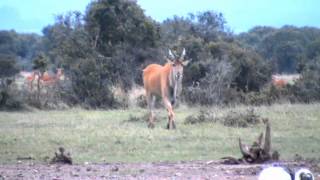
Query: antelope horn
point(171, 56)
point(183, 53)
point(267, 141)
point(244, 149)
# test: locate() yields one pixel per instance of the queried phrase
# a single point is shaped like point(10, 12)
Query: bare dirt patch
point(160, 170)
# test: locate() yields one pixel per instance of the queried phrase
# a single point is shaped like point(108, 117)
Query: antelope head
point(176, 74)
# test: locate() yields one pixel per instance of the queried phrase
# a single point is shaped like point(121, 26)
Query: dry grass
point(108, 136)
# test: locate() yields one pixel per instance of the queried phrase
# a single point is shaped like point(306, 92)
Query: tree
point(66, 41)
point(120, 31)
point(23, 47)
point(254, 37)
point(101, 48)
point(91, 85)
point(287, 48)
point(313, 49)
point(307, 89)
point(8, 42)
point(111, 23)
point(40, 64)
point(8, 69)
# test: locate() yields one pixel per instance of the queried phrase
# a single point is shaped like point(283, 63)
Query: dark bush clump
point(231, 119)
point(236, 119)
point(202, 117)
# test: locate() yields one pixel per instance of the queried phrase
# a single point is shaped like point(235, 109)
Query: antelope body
point(282, 80)
point(164, 81)
point(49, 79)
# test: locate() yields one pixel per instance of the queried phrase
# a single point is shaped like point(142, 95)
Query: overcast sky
point(241, 15)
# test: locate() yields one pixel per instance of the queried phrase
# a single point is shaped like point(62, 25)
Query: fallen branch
point(257, 152)
point(61, 158)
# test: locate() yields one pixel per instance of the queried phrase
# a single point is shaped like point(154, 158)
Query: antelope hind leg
point(151, 125)
point(150, 101)
point(173, 125)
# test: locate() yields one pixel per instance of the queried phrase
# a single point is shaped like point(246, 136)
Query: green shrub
point(236, 119)
point(230, 119)
point(203, 116)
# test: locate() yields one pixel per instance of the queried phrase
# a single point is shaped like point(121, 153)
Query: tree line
point(113, 40)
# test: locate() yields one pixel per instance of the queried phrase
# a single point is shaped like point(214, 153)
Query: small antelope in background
point(281, 80)
point(43, 79)
point(164, 81)
point(51, 79)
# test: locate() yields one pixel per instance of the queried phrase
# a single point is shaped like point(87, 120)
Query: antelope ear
point(184, 63)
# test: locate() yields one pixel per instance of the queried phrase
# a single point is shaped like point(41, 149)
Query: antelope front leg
point(171, 124)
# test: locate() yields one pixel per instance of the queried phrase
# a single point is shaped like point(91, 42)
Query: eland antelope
point(164, 81)
point(52, 78)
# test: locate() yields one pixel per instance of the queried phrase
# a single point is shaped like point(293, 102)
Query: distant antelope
point(44, 78)
point(283, 80)
point(30, 77)
point(49, 79)
point(164, 81)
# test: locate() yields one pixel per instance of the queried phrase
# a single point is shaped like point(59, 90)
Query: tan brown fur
point(164, 81)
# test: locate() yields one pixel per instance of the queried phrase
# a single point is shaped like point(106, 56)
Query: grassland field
point(112, 136)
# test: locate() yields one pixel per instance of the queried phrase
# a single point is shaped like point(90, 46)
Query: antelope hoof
point(173, 125)
point(151, 125)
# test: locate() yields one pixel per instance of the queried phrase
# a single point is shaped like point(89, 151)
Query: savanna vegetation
point(104, 49)
point(97, 136)
point(97, 112)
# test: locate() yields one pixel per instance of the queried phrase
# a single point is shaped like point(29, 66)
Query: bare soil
point(160, 170)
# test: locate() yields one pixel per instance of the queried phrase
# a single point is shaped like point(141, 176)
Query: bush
point(9, 98)
point(307, 89)
point(230, 72)
point(268, 95)
point(236, 119)
point(145, 118)
point(8, 69)
point(203, 116)
point(231, 119)
point(213, 87)
point(135, 119)
point(90, 85)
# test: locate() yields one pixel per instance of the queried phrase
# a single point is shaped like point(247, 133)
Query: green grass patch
point(122, 135)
